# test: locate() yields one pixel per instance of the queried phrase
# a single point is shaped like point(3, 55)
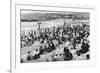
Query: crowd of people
point(62, 42)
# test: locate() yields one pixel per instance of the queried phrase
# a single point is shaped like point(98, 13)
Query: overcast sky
point(30, 11)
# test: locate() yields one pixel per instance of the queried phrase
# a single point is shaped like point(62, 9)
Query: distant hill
point(51, 16)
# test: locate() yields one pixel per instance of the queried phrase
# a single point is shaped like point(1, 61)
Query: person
point(29, 56)
point(41, 50)
point(87, 56)
point(36, 56)
point(85, 48)
point(52, 46)
point(67, 54)
point(22, 61)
